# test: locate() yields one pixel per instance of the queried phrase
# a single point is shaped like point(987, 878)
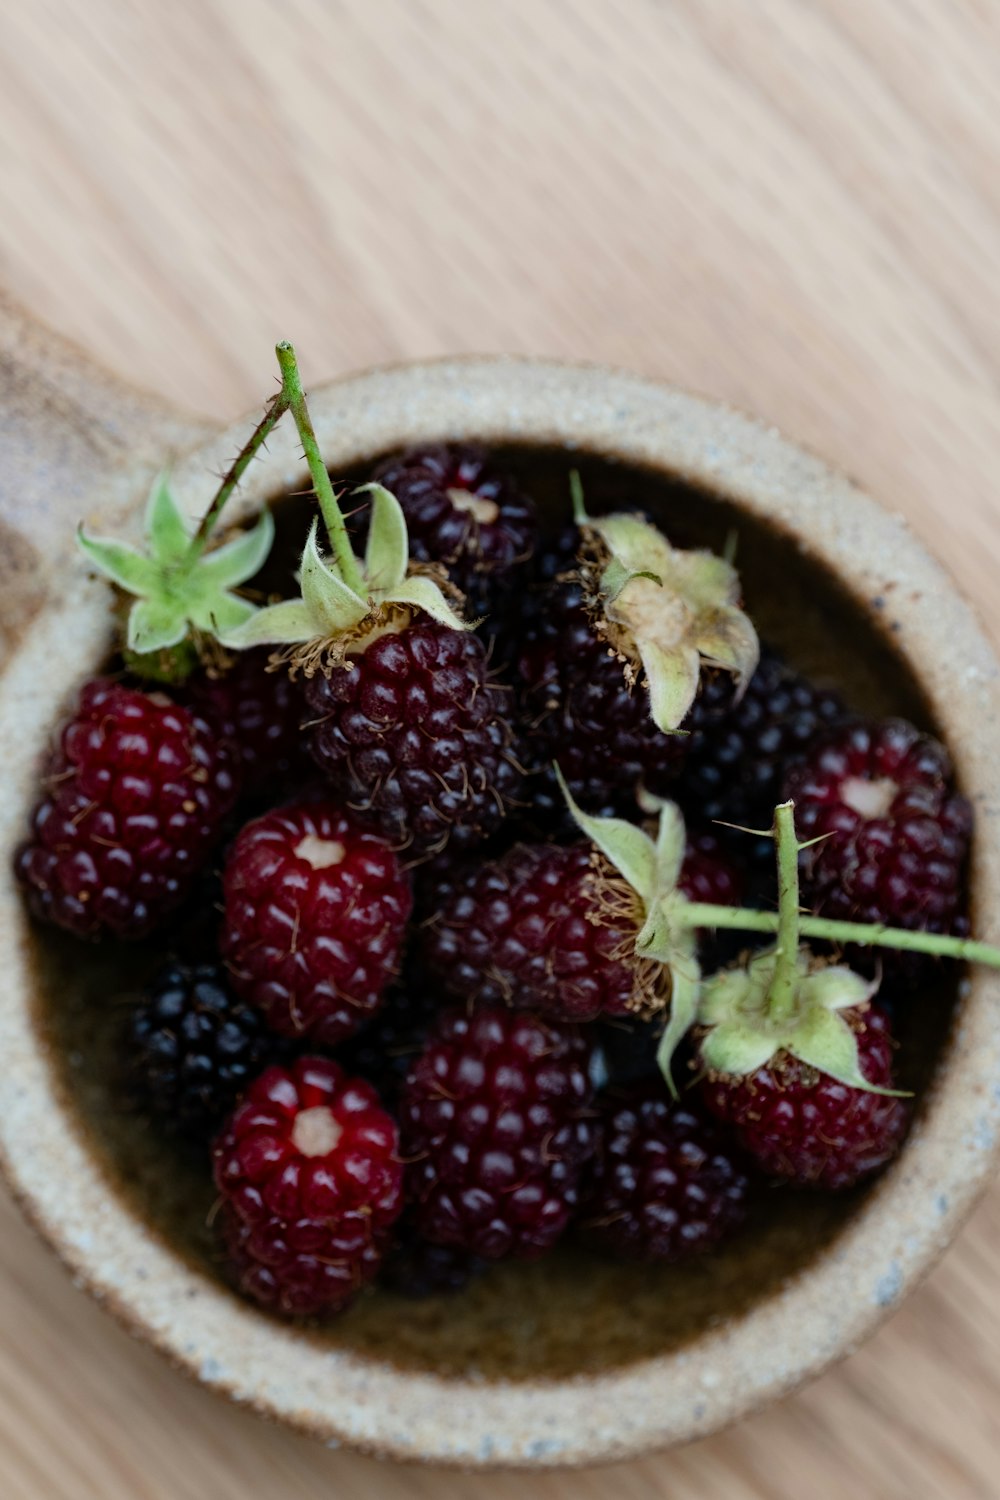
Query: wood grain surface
point(794, 206)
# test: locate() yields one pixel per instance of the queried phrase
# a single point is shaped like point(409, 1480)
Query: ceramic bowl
point(572, 1360)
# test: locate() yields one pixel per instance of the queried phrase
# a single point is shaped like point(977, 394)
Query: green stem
point(291, 388)
point(276, 408)
point(868, 934)
point(781, 997)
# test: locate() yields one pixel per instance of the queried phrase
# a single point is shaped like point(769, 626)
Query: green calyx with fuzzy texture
point(335, 601)
point(180, 589)
point(669, 612)
point(743, 1033)
point(784, 1001)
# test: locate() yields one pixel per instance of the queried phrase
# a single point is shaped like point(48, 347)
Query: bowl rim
point(822, 1313)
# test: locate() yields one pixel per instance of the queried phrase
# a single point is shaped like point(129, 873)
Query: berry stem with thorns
point(781, 997)
point(865, 934)
point(294, 395)
point(275, 410)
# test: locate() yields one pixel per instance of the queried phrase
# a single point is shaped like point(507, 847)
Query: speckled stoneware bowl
point(572, 1360)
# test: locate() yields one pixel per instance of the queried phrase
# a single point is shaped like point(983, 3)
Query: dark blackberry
point(666, 1186)
point(497, 1129)
point(192, 1049)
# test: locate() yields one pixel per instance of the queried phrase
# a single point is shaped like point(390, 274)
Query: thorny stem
point(292, 392)
point(276, 408)
point(781, 996)
point(867, 934)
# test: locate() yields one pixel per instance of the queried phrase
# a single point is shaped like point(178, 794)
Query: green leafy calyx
point(330, 610)
point(668, 613)
point(179, 588)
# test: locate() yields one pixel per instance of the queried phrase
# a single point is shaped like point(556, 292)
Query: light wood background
point(795, 206)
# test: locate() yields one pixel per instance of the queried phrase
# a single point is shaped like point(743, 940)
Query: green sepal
point(328, 608)
point(286, 624)
point(741, 1036)
point(424, 594)
point(178, 586)
point(629, 849)
point(124, 565)
point(676, 610)
point(166, 529)
point(240, 558)
point(685, 989)
point(155, 625)
point(387, 550)
point(333, 606)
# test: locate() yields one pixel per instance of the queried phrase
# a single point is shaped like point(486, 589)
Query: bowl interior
point(571, 1312)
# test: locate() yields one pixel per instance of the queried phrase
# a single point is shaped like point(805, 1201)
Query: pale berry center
point(869, 799)
point(321, 854)
point(483, 511)
point(316, 1132)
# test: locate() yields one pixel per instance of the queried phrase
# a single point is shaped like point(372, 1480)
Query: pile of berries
point(419, 1037)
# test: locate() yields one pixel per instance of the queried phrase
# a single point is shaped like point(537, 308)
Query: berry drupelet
point(463, 512)
point(315, 910)
point(309, 1172)
point(415, 731)
point(807, 1128)
point(666, 1186)
point(894, 833)
point(497, 1129)
point(192, 1048)
point(136, 795)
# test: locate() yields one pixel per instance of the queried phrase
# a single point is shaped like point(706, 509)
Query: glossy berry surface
point(742, 748)
point(531, 929)
point(309, 1171)
point(260, 712)
point(527, 930)
point(136, 793)
point(193, 1048)
point(316, 905)
point(497, 1129)
point(666, 1186)
point(463, 512)
point(895, 834)
point(808, 1129)
point(415, 731)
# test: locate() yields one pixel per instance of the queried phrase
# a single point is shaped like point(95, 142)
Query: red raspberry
point(309, 1171)
point(666, 1186)
point(416, 731)
point(806, 1127)
point(495, 1121)
point(898, 833)
point(137, 790)
point(466, 514)
point(532, 929)
point(261, 712)
point(315, 910)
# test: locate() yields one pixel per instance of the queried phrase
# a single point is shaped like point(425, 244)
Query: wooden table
point(792, 206)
